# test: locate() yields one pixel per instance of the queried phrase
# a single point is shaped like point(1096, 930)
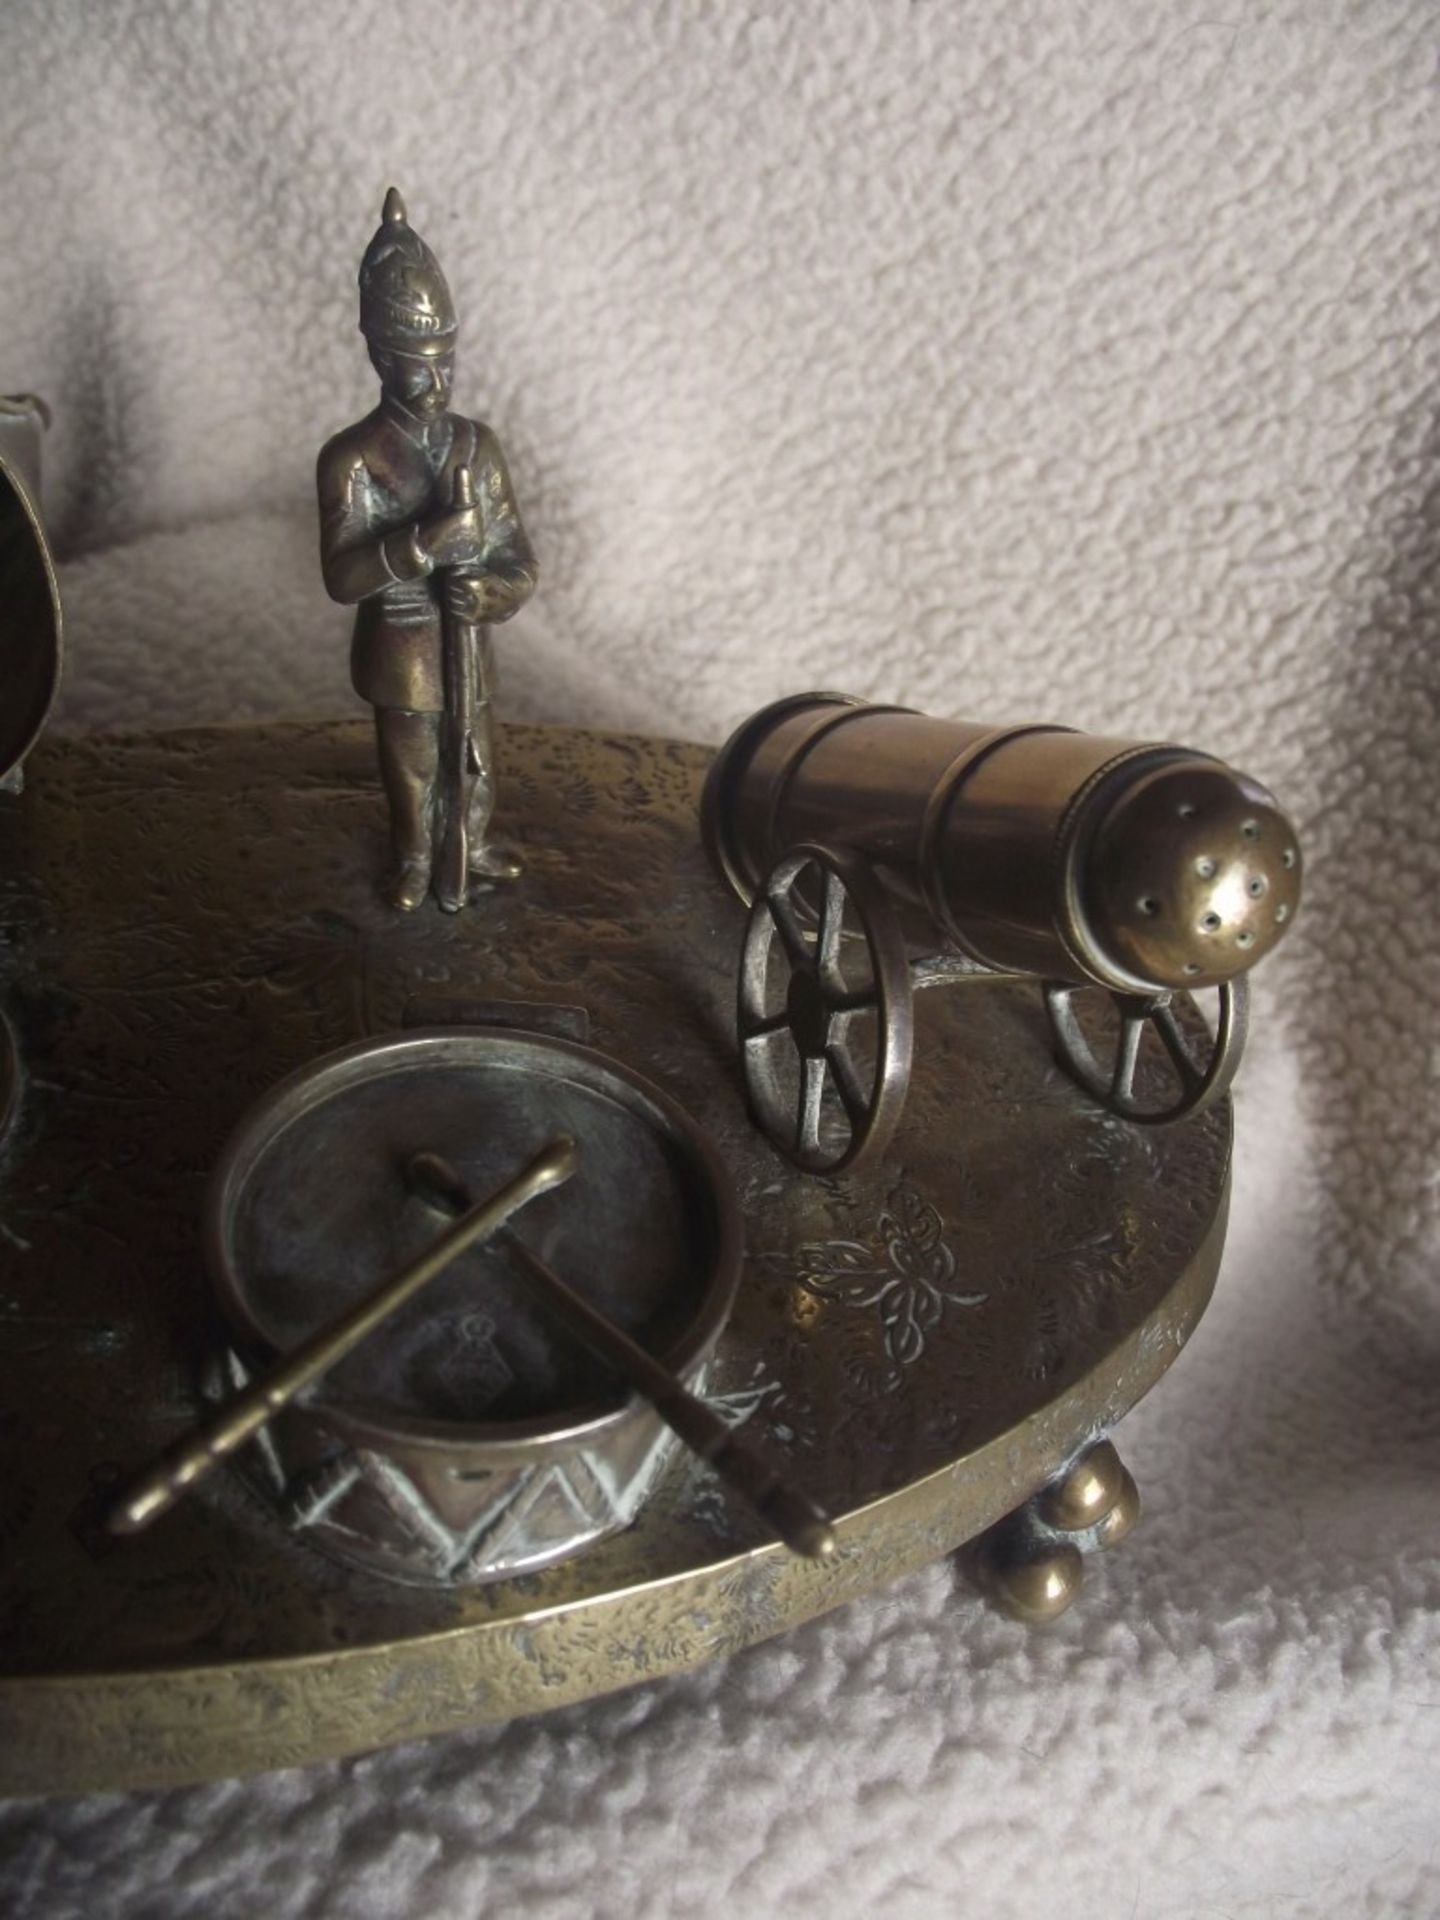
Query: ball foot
point(1034, 1580)
point(1032, 1565)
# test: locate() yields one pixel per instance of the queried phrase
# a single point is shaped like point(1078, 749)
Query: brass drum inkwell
point(469, 1439)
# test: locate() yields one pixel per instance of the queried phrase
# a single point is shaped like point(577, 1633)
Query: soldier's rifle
point(461, 760)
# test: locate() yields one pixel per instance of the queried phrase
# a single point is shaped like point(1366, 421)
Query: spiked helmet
point(405, 304)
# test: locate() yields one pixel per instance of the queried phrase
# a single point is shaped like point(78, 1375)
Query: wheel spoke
point(807, 1117)
point(1173, 1034)
point(1127, 1056)
point(766, 1026)
point(857, 1101)
point(864, 1000)
point(798, 950)
point(832, 925)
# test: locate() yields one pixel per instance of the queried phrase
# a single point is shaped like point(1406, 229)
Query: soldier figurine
point(419, 532)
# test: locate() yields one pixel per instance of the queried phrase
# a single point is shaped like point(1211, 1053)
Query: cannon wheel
point(1200, 1074)
point(819, 1005)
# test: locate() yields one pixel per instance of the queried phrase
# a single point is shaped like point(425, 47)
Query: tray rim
point(159, 1726)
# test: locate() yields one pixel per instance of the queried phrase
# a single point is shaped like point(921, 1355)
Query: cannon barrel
point(1032, 849)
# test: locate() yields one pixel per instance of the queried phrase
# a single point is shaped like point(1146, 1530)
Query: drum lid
point(310, 1208)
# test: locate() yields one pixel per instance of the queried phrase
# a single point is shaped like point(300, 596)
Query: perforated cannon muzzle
point(1130, 865)
point(1188, 874)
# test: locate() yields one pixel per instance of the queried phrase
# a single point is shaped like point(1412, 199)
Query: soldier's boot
point(409, 752)
point(487, 859)
point(411, 884)
point(494, 862)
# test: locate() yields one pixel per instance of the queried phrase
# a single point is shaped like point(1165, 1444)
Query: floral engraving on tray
point(903, 1267)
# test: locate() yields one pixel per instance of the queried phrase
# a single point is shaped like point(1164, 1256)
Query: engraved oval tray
point(187, 918)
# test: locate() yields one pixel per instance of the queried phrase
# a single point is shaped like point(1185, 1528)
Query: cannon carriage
point(881, 851)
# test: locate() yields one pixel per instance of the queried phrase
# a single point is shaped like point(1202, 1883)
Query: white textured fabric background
point(1028, 360)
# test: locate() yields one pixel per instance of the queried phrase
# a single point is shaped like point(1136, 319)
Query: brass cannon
point(881, 851)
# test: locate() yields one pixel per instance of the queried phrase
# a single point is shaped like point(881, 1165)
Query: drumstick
point(803, 1525)
point(178, 1471)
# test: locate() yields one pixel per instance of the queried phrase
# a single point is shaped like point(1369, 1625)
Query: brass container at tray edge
point(30, 618)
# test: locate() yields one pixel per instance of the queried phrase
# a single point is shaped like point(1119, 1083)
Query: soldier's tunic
point(375, 481)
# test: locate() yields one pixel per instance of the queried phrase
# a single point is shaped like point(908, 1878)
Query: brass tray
point(186, 918)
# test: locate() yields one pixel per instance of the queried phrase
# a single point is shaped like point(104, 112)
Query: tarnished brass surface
point(188, 918)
